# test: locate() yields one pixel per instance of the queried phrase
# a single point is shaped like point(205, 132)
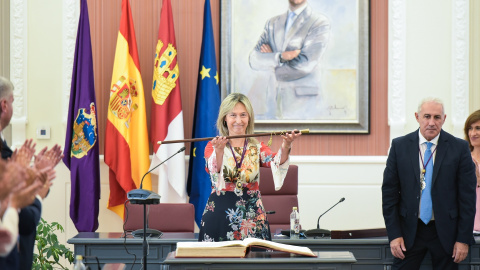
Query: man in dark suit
point(428, 194)
point(29, 216)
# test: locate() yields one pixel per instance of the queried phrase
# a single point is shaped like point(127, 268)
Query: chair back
point(281, 201)
point(165, 217)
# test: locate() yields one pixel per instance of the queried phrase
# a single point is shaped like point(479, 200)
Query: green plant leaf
point(48, 246)
point(56, 257)
point(54, 238)
point(45, 230)
point(49, 252)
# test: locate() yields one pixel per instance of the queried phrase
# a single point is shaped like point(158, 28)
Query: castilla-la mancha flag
point(126, 135)
point(167, 115)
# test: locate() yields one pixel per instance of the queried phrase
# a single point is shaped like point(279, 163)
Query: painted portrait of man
point(297, 59)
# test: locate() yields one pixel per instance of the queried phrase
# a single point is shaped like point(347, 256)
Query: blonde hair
point(227, 106)
point(472, 118)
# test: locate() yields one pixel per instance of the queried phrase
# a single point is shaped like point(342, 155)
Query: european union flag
point(207, 104)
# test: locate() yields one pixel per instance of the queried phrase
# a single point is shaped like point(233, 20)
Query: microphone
point(318, 231)
point(143, 196)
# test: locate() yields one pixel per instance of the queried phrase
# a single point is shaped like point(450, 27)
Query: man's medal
point(423, 184)
point(422, 180)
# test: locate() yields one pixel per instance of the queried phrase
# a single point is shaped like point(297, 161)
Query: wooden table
point(339, 260)
point(370, 253)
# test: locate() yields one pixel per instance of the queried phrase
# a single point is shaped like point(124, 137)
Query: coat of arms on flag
point(121, 101)
point(162, 86)
point(84, 132)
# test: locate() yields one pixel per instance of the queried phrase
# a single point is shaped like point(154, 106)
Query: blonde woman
point(234, 210)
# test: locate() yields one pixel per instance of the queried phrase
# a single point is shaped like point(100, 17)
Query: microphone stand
point(150, 232)
point(145, 246)
point(321, 232)
point(141, 196)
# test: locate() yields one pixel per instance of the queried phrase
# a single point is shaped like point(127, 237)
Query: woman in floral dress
point(234, 210)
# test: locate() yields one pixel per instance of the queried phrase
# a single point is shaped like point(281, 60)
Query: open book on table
point(235, 248)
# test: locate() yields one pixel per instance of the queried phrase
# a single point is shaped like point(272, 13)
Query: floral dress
point(234, 210)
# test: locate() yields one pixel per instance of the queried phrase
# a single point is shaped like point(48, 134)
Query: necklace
point(238, 165)
point(424, 170)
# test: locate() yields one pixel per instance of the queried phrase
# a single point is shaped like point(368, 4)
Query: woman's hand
point(219, 142)
point(288, 138)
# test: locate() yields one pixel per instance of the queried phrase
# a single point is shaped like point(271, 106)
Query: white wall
point(428, 55)
point(422, 57)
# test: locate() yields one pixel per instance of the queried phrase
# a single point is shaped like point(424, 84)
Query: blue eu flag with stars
point(206, 112)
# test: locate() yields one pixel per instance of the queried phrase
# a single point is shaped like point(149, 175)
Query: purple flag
point(81, 146)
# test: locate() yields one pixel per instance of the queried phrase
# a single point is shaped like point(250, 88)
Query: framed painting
point(307, 72)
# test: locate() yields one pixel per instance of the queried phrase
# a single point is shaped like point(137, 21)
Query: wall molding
point(397, 67)
point(338, 159)
point(474, 58)
point(18, 68)
point(70, 17)
point(460, 65)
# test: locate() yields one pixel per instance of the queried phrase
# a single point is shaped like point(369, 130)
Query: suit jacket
point(27, 229)
point(6, 151)
point(453, 190)
point(309, 33)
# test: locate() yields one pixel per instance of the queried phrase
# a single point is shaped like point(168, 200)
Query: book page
point(235, 248)
point(279, 246)
point(210, 244)
point(211, 249)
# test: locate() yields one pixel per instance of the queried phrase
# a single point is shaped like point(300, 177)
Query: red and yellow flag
point(167, 116)
point(126, 136)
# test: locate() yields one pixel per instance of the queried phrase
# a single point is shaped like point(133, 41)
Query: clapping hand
point(24, 155)
point(24, 196)
point(45, 163)
point(12, 175)
point(48, 158)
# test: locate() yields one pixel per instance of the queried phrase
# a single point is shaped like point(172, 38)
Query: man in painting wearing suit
point(428, 194)
point(291, 45)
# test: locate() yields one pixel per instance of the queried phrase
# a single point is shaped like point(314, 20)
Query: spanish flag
point(126, 136)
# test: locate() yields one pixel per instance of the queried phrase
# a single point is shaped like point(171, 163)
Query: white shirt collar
point(299, 10)
point(422, 139)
